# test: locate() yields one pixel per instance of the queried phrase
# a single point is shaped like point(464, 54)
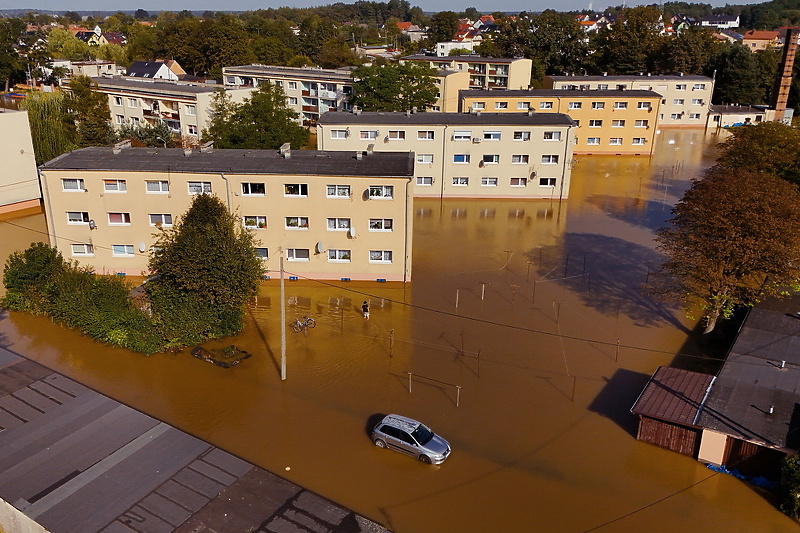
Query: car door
point(407, 443)
point(393, 439)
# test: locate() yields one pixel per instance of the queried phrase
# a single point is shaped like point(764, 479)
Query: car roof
point(401, 422)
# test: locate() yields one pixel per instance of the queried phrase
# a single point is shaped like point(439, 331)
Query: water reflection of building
point(19, 184)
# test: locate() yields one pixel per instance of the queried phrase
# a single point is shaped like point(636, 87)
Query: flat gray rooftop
point(150, 86)
point(460, 59)
point(643, 77)
point(340, 75)
point(448, 119)
point(559, 93)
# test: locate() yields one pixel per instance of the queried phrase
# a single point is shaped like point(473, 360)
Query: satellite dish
point(352, 232)
point(142, 247)
point(319, 248)
point(92, 225)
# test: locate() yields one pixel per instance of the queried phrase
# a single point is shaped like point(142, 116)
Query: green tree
point(335, 53)
point(63, 45)
point(52, 127)
point(769, 147)
point(315, 32)
point(734, 239)
point(632, 45)
point(73, 16)
point(157, 135)
point(10, 63)
point(443, 27)
point(690, 52)
point(394, 87)
point(790, 486)
point(141, 14)
point(29, 275)
point(89, 108)
point(737, 79)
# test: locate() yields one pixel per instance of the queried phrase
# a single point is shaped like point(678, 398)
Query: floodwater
point(526, 339)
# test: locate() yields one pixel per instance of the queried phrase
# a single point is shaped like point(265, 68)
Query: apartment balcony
point(327, 94)
point(311, 108)
point(151, 113)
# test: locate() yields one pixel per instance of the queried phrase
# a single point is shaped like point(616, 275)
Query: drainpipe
point(51, 230)
point(444, 157)
point(405, 232)
point(227, 190)
point(564, 166)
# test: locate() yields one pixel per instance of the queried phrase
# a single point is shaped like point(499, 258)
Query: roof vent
point(286, 150)
point(187, 152)
point(356, 110)
point(359, 155)
point(207, 147)
point(118, 147)
point(370, 149)
point(531, 112)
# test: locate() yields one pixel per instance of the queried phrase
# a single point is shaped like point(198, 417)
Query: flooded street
point(523, 339)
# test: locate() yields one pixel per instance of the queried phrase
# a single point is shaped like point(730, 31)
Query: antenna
point(320, 247)
point(352, 232)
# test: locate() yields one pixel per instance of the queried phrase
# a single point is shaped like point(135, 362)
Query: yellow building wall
point(19, 183)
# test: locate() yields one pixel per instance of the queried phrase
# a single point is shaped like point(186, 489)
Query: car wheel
point(425, 459)
point(379, 443)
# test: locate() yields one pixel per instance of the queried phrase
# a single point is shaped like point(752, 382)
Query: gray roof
point(149, 86)
point(545, 93)
point(301, 162)
point(736, 109)
point(751, 379)
point(448, 119)
point(461, 59)
point(144, 69)
point(643, 77)
point(340, 75)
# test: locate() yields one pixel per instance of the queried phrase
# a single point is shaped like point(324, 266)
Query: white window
point(598, 105)
point(77, 217)
point(117, 100)
point(552, 136)
point(120, 119)
point(680, 87)
point(339, 256)
point(461, 159)
point(501, 105)
point(675, 116)
point(380, 256)
point(293, 85)
point(435, 108)
point(191, 129)
point(296, 222)
point(491, 135)
point(547, 182)
point(615, 141)
point(462, 135)
point(638, 140)
point(549, 159)
point(602, 86)
point(678, 101)
point(161, 187)
point(122, 250)
point(338, 191)
point(694, 116)
point(369, 135)
point(622, 86)
point(490, 159)
point(297, 254)
point(425, 159)
point(380, 224)
point(381, 191)
point(593, 140)
point(575, 105)
point(460, 181)
point(522, 136)
point(545, 105)
point(199, 187)
point(253, 189)
point(160, 219)
point(641, 124)
point(293, 100)
point(262, 253)
point(620, 105)
point(478, 105)
point(82, 249)
point(643, 105)
point(115, 186)
point(697, 101)
point(295, 189)
point(338, 224)
point(617, 123)
point(424, 181)
point(135, 121)
point(595, 123)
point(523, 106)
point(119, 219)
point(255, 221)
point(397, 135)
point(488, 182)
point(133, 102)
point(519, 182)
point(338, 134)
point(698, 86)
point(191, 110)
point(519, 159)
point(424, 135)
point(279, 83)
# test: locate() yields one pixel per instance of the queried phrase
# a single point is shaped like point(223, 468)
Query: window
point(643, 105)
point(490, 159)
point(549, 159)
point(133, 102)
point(519, 159)
point(338, 224)
point(523, 106)
point(397, 135)
point(369, 135)
point(638, 140)
point(697, 101)
point(620, 105)
point(72, 184)
point(552, 136)
point(545, 105)
point(191, 129)
point(595, 123)
point(255, 222)
point(262, 253)
point(501, 105)
point(519, 182)
point(461, 159)
point(602, 86)
point(119, 219)
point(115, 186)
point(680, 87)
point(593, 140)
point(617, 123)
point(199, 187)
point(297, 254)
point(338, 134)
point(424, 135)
point(522, 136)
point(77, 217)
point(641, 124)
point(339, 256)
point(547, 182)
point(293, 100)
point(622, 86)
point(462, 135)
point(424, 181)
point(160, 219)
point(487, 213)
point(425, 159)
point(598, 105)
point(478, 106)
point(135, 121)
point(122, 250)
point(615, 141)
point(381, 191)
point(380, 256)
point(296, 222)
point(678, 101)
point(295, 189)
point(488, 182)
point(460, 182)
point(698, 86)
point(694, 116)
point(575, 105)
point(675, 116)
point(380, 224)
point(120, 119)
point(118, 100)
point(191, 110)
point(293, 85)
point(82, 249)
point(491, 135)
point(161, 187)
point(338, 191)
point(253, 189)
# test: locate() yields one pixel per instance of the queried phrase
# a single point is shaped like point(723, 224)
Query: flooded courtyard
point(523, 339)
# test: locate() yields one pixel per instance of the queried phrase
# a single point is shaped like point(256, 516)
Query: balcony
point(150, 113)
point(305, 92)
point(311, 108)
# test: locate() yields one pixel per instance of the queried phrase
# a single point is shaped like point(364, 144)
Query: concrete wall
point(712, 447)
point(19, 183)
point(13, 521)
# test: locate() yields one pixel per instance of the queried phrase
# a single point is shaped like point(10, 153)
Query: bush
point(790, 486)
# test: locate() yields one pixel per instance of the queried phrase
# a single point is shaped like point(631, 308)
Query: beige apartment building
point(331, 215)
point(685, 100)
point(184, 106)
point(484, 72)
point(458, 155)
point(450, 83)
point(608, 122)
point(19, 183)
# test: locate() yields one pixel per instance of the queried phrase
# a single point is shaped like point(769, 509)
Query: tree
point(737, 77)
point(10, 64)
point(394, 87)
point(52, 127)
point(443, 27)
point(769, 147)
point(141, 14)
point(63, 45)
point(335, 53)
point(73, 16)
point(157, 135)
point(690, 52)
point(632, 45)
point(90, 111)
point(734, 239)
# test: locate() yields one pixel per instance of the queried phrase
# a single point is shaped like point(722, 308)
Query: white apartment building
point(19, 182)
point(685, 100)
point(459, 155)
point(484, 72)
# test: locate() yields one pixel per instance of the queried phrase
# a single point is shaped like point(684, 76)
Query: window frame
point(302, 190)
point(120, 186)
point(337, 188)
point(87, 247)
point(383, 258)
point(128, 250)
point(249, 185)
point(300, 225)
point(260, 221)
point(83, 215)
point(489, 181)
point(382, 196)
point(291, 255)
point(339, 251)
point(160, 223)
point(336, 221)
point(202, 185)
point(383, 224)
point(124, 217)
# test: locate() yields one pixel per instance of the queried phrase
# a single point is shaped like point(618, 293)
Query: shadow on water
point(618, 396)
point(372, 421)
point(640, 212)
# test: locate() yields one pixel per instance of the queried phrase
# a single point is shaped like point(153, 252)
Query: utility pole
point(283, 324)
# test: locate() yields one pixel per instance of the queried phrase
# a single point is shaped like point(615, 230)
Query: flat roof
point(150, 85)
point(673, 395)
point(447, 119)
point(629, 77)
point(291, 72)
point(301, 162)
point(737, 109)
point(555, 93)
point(462, 59)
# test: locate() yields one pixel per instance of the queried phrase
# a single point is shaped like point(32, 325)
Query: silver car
point(410, 437)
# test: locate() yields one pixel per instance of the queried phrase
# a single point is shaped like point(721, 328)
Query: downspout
point(51, 230)
point(564, 166)
point(406, 251)
point(227, 190)
point(444, 157)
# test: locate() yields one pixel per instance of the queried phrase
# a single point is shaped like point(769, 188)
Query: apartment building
point(184, 107)
point(608, 122)
point(19, 184)
point(331, 215)
point(309, 91)
point(685, 100)
point(484, 72)
point(481, 155)
point(449, 83)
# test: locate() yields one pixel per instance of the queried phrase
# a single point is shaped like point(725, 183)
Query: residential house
point(94, 68)
point(595, 21)
point(756, 40)
point(330, 215)
point(682, 22)
point(155, 70)
point(19, 183)
point(726, 116)
point(485, 72)
point(729, 36)
point(449, 83)
point(414, 32)
point(444, 49)
point(723, 22)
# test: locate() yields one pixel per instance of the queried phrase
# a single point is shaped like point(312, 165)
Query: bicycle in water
point(302, 323)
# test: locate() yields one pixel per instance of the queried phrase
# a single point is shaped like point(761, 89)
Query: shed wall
point(674, 437)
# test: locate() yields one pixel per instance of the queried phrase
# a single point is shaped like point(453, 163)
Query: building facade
point(331, 215)
point(608, 122)
point(685, 100)
point(458, 155)
point(484, 72)
point(19, 183)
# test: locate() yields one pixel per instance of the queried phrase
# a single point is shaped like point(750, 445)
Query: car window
point(423, 435)
point(405, 437)
point(389, 430)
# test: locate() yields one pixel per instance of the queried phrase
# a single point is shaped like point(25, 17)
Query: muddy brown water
point(524, 377)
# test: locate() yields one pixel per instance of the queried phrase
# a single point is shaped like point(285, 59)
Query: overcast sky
point(247, 5)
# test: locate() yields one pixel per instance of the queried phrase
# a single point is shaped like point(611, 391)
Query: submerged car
point(410, 437)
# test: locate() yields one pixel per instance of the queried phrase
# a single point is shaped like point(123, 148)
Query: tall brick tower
point(783, 78)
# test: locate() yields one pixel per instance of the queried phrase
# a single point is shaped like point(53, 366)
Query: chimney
point(285, 150)
point(356, 110)
point(207, 147)
point(359, 155)
point(118, 147)
point(187, 151)
point(531, 112)
point(370, 149)
point(783, 78)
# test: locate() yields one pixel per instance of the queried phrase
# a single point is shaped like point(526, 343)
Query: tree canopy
point(89, 108)
point(769, 147)
point(394, 87)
